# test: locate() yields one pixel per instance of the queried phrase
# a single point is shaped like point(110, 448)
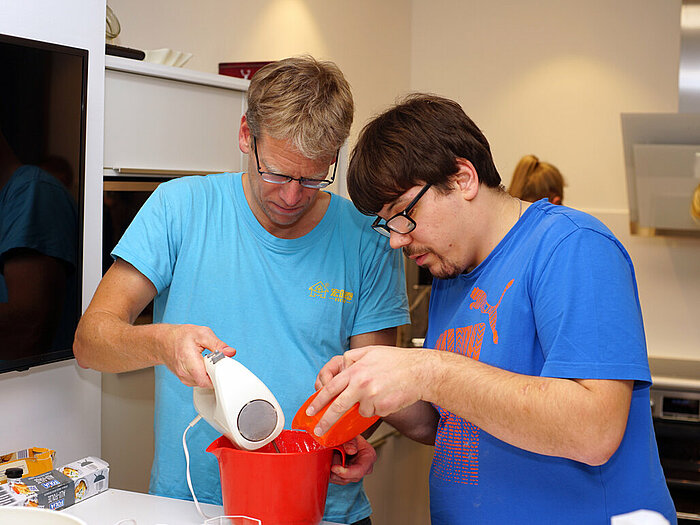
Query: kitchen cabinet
point(165, 118)
point(398, 486)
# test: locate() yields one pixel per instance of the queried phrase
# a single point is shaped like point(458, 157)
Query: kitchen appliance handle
point(162, 172)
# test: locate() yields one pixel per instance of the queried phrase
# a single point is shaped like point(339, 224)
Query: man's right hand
point(183, 349)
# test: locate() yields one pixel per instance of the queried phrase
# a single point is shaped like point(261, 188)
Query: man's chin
point(440, 270)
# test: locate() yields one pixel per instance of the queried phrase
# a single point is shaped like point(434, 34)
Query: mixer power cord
point(187, 460)
point(218, 520)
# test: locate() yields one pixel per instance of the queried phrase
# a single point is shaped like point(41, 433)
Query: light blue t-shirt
point(556, 297)
point(286, 305)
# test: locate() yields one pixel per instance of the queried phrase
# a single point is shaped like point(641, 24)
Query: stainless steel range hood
point(662, 150)
point(689, 70)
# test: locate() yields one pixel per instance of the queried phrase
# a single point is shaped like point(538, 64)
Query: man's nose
point(291, 192)
point(399, 240)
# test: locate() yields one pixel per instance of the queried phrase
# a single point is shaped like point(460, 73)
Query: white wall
point(551, 78)
point(58, 405)
point(369, 40)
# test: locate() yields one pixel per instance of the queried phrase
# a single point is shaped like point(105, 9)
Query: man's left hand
point(360, 458)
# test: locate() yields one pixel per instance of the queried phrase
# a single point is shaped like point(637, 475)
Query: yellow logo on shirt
point(321, 290)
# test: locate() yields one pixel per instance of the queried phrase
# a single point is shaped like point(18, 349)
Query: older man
point(535, 357)
point(264, 261)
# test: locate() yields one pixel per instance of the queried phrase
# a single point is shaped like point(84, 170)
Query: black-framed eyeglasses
point(278, 178)
point(401, 222)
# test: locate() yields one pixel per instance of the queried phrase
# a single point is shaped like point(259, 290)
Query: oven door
point(123, 196)
point(677, 428)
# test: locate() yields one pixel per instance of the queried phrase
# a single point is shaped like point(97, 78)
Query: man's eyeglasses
point(278, 178)
point(401, 222)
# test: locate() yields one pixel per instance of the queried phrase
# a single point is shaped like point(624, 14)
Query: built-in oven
point(676, 416)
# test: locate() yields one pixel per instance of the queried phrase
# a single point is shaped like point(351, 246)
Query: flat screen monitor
point(42, 173)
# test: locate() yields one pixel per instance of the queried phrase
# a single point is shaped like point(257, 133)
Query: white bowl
point(167, 57)
point(33, 516)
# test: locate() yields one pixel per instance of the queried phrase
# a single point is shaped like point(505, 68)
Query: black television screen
point(42, 173)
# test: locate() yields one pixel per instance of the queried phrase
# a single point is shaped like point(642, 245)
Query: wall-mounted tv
point(42, 172)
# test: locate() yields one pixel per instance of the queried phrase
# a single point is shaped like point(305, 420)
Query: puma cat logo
point(479, 297)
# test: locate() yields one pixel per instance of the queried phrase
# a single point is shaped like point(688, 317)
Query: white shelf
point(140, 67)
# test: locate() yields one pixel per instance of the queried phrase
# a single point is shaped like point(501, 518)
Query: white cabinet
point(165, 118)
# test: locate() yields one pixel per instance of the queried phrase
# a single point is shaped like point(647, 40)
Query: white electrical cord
point(207, 519)
point(187, 460)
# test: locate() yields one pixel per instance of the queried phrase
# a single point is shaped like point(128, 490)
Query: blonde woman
point(534, 180)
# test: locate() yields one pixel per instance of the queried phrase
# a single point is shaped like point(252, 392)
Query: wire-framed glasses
point(278, 178)
point(401, 222)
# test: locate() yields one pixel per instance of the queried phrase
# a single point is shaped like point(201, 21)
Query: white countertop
point(674, 373)
point(114, 505)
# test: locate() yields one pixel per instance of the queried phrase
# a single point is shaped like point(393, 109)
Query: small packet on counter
point(52, 490)
point(33, 461)
point(90, 475)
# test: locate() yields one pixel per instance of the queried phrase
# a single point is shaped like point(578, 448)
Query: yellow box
point(33, 461)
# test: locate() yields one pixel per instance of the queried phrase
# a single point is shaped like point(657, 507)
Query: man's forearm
point(418, 422)
point(575, 419)
point(106, 343)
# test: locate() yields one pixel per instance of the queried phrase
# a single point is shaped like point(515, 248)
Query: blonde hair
point(304, 101)
point(534, 180)
point(695, 204)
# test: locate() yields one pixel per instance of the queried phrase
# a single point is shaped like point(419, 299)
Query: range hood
point(662, 150)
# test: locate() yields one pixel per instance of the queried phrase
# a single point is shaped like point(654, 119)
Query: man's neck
point(501, 212)
point(307, 222)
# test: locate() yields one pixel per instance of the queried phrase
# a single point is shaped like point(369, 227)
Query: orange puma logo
point(480, 303)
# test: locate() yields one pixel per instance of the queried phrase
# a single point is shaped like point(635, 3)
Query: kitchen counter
point(675, 374)
point(115, 506)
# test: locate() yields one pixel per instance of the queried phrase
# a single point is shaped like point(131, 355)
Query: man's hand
point(331, 369)
point(359, 463)
point(183, 352)
point(382, 379)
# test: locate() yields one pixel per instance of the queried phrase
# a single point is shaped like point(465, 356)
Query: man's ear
point(466, 179)
point(245, 137)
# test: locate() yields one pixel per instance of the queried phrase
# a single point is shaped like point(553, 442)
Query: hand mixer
point(240, 405)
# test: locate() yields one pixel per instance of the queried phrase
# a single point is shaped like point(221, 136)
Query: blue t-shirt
point(557, 297)
point(286, 305)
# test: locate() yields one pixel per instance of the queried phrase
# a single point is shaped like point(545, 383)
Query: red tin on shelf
point(240, 69)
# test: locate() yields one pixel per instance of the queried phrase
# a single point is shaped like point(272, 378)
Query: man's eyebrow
point(269, 167)
point(396, 204)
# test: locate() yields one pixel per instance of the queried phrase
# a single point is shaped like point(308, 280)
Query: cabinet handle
point(162, 172)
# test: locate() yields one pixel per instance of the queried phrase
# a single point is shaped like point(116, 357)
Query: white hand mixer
point(240, 405)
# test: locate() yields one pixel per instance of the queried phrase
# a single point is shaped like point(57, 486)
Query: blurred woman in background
point(534, 180)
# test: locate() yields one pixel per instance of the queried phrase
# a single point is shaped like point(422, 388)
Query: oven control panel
point(676, 405)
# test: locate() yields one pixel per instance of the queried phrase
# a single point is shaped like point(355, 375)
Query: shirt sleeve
point(587, 311)
point(40, 215)
point(383, 302)
point(152, 241)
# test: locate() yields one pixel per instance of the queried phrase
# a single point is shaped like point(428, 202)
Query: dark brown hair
point(415, 142)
